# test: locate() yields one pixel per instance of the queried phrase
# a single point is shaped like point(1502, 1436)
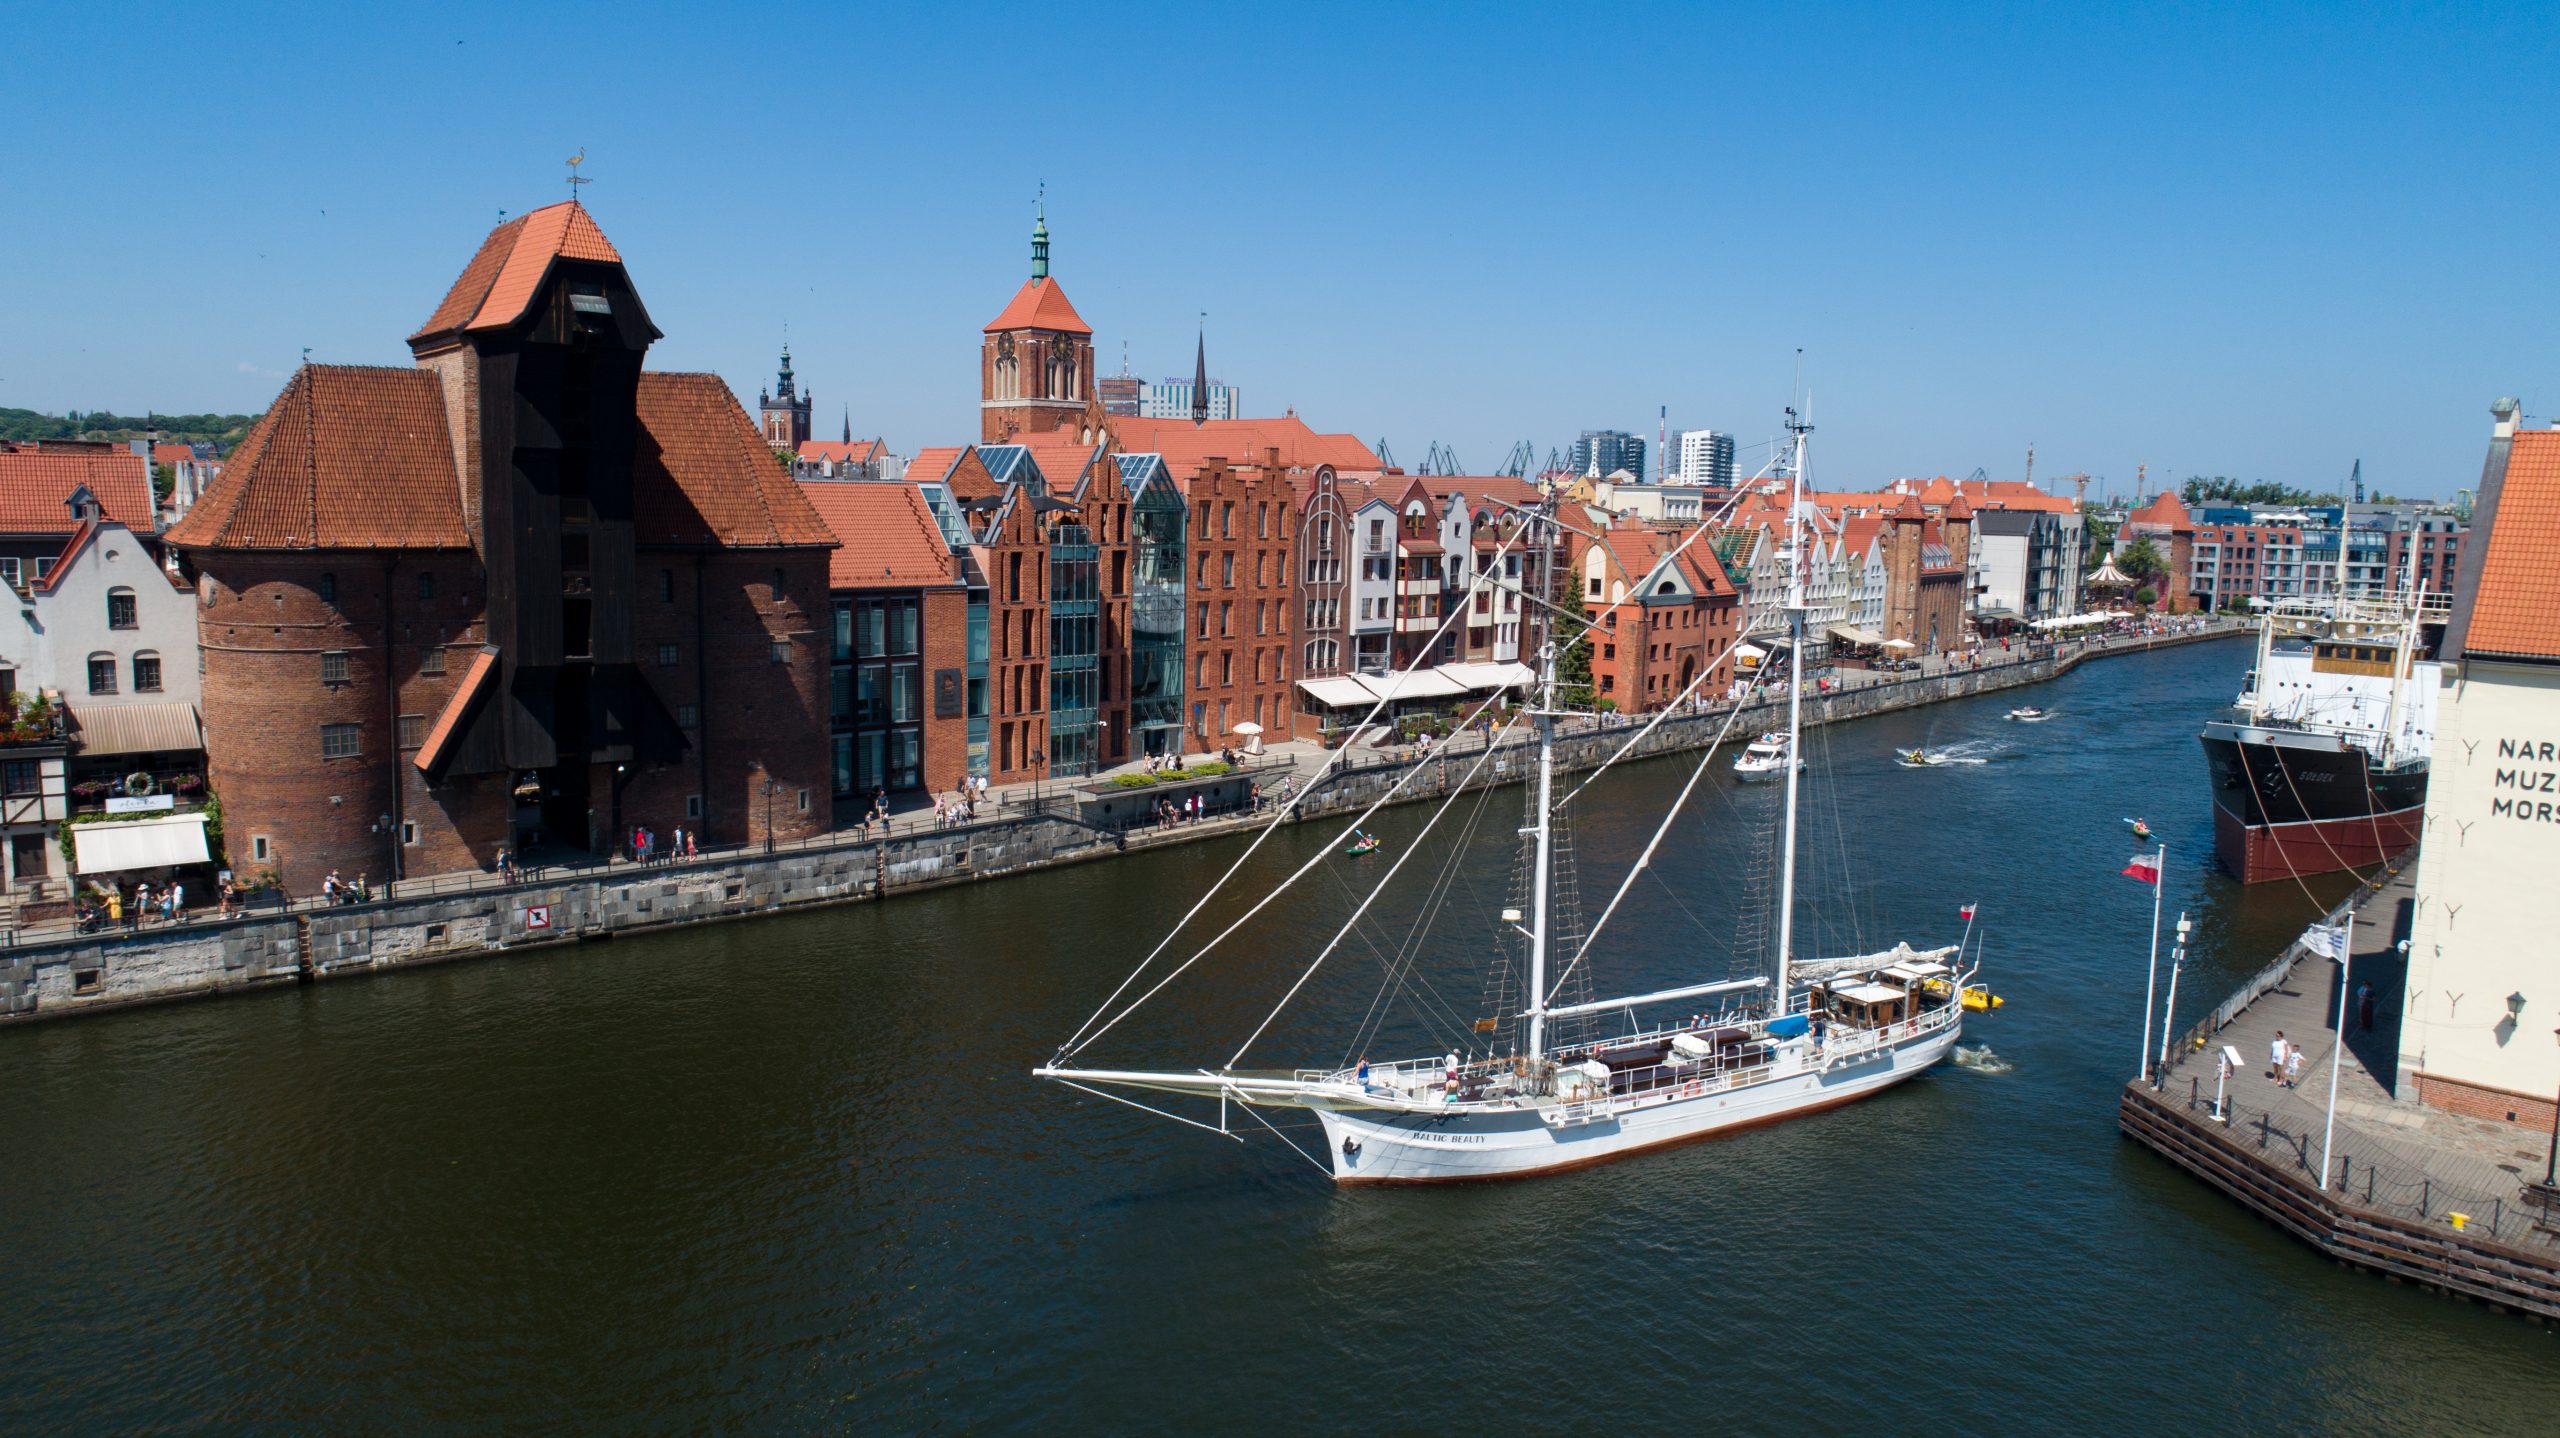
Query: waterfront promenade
point(53, 970)
point(2413, 1192)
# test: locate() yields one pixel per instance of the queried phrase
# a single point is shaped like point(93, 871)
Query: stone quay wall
point(433, 921)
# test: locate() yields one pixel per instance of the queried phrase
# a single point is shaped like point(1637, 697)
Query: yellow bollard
point(2458, 1220)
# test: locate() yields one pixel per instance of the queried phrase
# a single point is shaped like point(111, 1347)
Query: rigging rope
point(1084, 1033)
point(1406, 853)
point(1321, 855)
point(1651, 845)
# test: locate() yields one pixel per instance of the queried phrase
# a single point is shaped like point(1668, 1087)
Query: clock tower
point(1035, 360)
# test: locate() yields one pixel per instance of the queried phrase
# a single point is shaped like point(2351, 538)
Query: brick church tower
point(1035, 364)
point(786, 410)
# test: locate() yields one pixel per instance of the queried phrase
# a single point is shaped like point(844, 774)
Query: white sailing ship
point(1697, 1059)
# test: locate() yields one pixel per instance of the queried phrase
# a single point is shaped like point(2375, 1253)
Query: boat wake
point(1981, 1060)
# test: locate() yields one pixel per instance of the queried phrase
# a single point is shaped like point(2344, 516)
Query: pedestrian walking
point(2293, 1066)
point(2275, 1057)
point(2364, 1008)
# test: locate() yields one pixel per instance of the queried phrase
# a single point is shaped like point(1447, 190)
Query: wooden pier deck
point(2414, 1193)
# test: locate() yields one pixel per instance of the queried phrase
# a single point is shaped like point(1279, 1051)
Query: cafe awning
point(169, 842)
point(1749, 651)
point(1855, 635)
point(1419, 684)
point(136, 728)
point(1339, 692)
point(1483, 677)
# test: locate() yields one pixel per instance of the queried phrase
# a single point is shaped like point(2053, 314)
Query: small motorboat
point(1918, 758)
point(1764, 758)
point(1366, 844)
point(2029, 714)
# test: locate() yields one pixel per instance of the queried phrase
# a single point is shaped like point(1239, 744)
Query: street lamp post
point(770, 788)
point(2551, 1165)
point(2177, 962)
point(2346, 981)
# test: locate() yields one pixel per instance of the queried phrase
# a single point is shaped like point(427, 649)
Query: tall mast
point(1542, 824)
point(1797, 425)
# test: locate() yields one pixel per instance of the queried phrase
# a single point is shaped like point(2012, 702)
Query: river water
point(791, 1175)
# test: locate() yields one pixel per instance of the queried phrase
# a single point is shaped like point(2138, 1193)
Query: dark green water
point(790, 1175)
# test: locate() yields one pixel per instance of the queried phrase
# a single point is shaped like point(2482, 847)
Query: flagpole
point(2346, 965)
point(2151, 983)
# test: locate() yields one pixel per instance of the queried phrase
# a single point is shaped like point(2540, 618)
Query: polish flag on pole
point(1965, 913)
point(2145, 867)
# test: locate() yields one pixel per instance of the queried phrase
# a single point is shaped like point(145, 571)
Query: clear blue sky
point(2261, 243)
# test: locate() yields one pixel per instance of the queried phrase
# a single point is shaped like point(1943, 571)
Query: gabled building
point(48, 490)
point(1670, 616)
point(898, 678)
point(524, 594)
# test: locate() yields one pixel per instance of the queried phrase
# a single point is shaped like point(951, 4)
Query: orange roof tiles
point(704, 475)
point(475, 682)
point(1062, 458)
point(1040, 305)
point(2164, 510)
point(836, 451)
point(888, 539)
point(1185, 445)
point(36, 483)
point(348, 457)
point(170, 451)
point(2515, 600)
point(500, 281)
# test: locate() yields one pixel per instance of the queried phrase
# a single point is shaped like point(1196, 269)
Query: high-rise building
point(1120, 393)
point(1603, 452)
point(1703, 456)
point(1172, 399)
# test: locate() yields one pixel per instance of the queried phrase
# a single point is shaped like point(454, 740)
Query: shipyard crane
point(1524, 457)
point(1386, 456)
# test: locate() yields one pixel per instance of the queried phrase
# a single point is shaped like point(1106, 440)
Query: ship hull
point(2288, 803)
point(1365, 1146)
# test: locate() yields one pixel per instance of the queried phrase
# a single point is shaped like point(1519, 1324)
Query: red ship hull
point(2258, 853)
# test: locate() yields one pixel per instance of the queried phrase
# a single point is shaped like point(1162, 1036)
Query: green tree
point(2142, 560)
point(2146, 596)
point(164, 481)
point(1573, 663)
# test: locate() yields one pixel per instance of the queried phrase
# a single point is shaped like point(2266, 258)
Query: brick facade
point(1239, 665)
point(2497, 1105)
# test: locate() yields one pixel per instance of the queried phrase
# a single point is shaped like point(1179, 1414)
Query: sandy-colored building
point(2480, 1033)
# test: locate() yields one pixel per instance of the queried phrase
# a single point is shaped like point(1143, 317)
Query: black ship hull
point(2289, 803)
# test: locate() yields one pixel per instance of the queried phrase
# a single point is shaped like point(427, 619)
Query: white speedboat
point(2029, 714)
point(1764, 758)
point(1527, 1084)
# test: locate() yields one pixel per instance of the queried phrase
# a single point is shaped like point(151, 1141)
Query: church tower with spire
point(785, 410)
point(1035, 360)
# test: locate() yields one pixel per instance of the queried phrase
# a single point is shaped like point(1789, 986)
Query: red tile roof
point(170, 451)
point(1040, 305)
point(704, 475)
point(2515, 604)
point(1061, 456)
point(501, 279)
point(2163, 510)
point(836, 451)
point(889, 539)
point(1185, 445)
point(475, 683)
point(348, 457)
point(933, 466)
point(36, 482)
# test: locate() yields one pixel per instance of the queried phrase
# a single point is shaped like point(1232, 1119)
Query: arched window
point(146, 671)
point(102, 673)
point(122, 612)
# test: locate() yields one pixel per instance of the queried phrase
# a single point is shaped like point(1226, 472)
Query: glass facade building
point(877, 691)
point(1156, 604)
point(1075, 648)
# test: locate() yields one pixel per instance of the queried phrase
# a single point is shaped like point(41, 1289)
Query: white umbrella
point(1248, 727)
point(1252, 733)
point(1900, 644)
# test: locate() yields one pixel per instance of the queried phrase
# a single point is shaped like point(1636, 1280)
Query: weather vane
point(576, 179)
